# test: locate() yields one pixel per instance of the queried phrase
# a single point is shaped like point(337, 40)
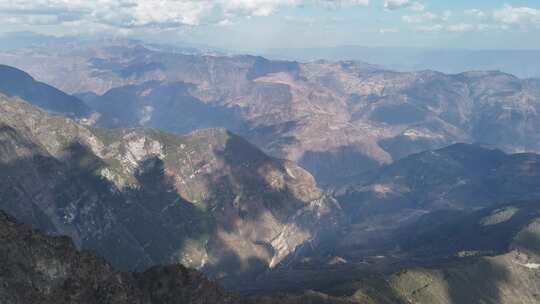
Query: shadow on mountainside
point(271, 197)
point(152, 224)
point(490, 230)
point(476, 280)
point(480, 282)
point(493, 245)
point(164, 105)
point(338, 166)
point(133, 228)
point(15, 82)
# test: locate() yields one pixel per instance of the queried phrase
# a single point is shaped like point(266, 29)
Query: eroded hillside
point(142, 197)
point(336, 119)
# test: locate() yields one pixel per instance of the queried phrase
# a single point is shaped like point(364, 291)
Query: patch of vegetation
point(420, 286)
point(499, 216)
point(107, 136)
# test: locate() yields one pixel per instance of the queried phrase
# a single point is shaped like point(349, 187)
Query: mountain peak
point(14, 82)
point(193, 197)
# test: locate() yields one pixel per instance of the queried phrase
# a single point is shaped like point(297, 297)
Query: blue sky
point(261, 24)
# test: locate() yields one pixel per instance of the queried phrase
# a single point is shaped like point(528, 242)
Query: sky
point(266, 24)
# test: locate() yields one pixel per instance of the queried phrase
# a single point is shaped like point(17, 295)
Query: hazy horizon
point(519, 62)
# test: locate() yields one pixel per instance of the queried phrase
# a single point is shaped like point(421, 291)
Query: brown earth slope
point(141, 197)
point(334, 119)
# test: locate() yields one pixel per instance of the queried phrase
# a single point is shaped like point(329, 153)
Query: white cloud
point(340, 3)
point(427, 17)
point(475, 13)
point(500, 19)
point(396, 4)
point(418, 7)
point(253, 7)
point(430, 28)
point(517, 15)
point(461, 28)
point(225, 23)
point(123, 13)
point(399, 4)
point(31, 20)
point(151, 13)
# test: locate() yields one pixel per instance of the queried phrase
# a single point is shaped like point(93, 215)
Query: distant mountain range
point(22, 39)
point(336, 119)
point(521, 63)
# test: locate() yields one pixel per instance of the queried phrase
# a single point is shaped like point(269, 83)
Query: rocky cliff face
point(335, 119)
point(143, 197)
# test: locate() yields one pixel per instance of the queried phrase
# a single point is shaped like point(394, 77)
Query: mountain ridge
point(15, 82)
point(213, 200)
point(336, 119)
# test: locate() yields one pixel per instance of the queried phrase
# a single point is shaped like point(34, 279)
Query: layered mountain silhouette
point(451, 211)
point(434, 186)
point(336, 119)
